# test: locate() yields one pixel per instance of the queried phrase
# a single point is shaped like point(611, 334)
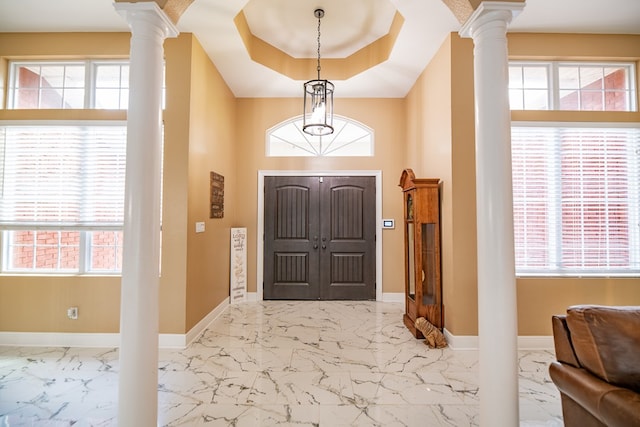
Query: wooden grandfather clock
point(423, 278)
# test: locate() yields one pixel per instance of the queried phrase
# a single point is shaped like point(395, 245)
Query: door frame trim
point(377, 174)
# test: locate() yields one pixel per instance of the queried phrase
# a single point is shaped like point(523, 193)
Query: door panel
point(347, 264)
point(319, 238)
point(291, 262)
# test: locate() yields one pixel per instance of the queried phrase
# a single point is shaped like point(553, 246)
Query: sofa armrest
point(621, 407)
point(613, 406)
point(562, 341)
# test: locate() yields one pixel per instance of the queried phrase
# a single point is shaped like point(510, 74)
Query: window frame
point(319, 146)
point(90, 80)
point(553, 78)
point(84, 254)
point(89, 86)
point(93, 66)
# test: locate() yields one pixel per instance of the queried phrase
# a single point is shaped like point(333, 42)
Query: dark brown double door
point(319, 240)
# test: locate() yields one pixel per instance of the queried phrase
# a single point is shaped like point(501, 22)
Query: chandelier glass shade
point(318, 99)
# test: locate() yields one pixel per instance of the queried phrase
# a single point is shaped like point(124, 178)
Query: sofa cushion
point(562, 341)
point(606, 341)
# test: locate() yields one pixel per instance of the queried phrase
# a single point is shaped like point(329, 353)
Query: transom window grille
point(62, 197)
point(111, 86)
point(350, 138)
point(579, 86)
point(576, 194)
point(89, 84)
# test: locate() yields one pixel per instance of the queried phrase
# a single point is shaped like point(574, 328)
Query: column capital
point(490, 10)
point(131, 11)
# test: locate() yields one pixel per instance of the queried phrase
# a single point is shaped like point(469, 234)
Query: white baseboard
point(525, 342)
point(393, 297)
point(536, 342)
point(59, 339)
point(110, 340)
point(461, 342)
point(200, 327)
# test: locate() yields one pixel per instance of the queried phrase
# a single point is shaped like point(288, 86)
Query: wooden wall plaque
point(216, 200)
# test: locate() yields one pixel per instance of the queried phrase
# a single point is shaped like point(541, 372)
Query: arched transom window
point(350, 138)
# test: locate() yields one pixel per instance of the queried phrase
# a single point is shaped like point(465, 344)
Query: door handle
point(315, 246)
point(324, 246)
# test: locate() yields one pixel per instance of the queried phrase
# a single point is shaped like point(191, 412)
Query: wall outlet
point(72, 313)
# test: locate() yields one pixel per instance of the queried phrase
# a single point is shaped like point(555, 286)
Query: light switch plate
point(389, 223)
point(199, 227)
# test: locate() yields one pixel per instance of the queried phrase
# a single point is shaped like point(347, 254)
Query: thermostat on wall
point(389, 223)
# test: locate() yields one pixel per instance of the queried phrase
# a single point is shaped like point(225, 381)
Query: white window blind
point(576, 197)
point(62, 176)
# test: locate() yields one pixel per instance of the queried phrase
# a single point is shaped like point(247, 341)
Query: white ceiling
point(347, 26)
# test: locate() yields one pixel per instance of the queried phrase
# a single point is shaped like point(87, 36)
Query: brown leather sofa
point(598, 365)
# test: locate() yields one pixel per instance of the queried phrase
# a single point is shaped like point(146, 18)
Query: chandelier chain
point(318, 48)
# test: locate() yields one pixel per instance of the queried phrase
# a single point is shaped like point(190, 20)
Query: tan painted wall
point(441, 145)
point(464, 295)
point(212, 147)
point(449, 78)
point(385, 116)
point(39, 304)
point(175, 184)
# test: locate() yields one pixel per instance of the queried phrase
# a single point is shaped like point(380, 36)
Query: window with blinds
point(65, 176)
point(62, 196)
point(576, 194)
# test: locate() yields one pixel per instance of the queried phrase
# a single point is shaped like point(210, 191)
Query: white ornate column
point(138, 380)
point(497, 304)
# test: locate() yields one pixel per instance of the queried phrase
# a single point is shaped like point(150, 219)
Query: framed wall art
point(216, 199)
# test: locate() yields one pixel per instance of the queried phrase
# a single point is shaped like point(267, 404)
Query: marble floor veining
point(277, 363)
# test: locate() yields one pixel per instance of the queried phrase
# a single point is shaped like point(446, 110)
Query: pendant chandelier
point(318, 99)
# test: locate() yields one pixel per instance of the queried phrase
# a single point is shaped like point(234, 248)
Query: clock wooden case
point(423, 278)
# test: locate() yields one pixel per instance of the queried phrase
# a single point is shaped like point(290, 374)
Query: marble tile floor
point(277, 363)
